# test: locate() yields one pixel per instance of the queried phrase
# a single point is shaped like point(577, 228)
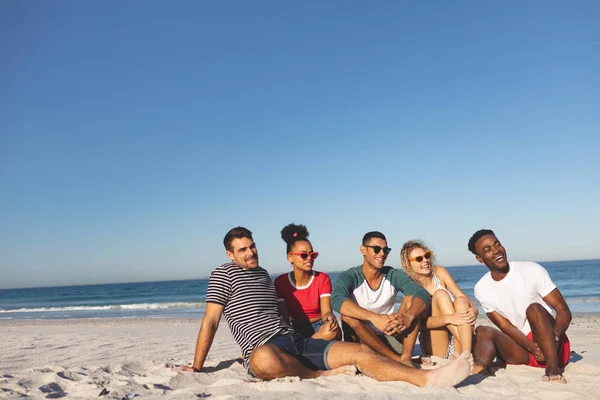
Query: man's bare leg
point(409, 335)
point(383, 368)
point(542, 327)
point(488, 341)
point(358, 331)
point(269, 362)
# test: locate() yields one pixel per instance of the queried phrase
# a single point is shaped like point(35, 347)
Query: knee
point(484, 331)
point(260, 360)
point(461, 303)
point(534, 309)
point(441, 296)
point(332, 335)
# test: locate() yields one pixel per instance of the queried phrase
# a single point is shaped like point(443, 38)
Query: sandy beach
point(126, 358)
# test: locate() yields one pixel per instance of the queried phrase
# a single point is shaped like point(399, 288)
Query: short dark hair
point(372, 235)
point(476, 236)
point(293, 233)
point(236, 233)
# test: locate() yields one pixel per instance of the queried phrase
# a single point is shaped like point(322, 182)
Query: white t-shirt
point(526, 283)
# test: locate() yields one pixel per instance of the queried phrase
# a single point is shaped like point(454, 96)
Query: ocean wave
point(584, 300)
point(144, 306)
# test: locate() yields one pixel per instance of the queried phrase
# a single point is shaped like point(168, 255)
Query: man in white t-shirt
point(521, 300)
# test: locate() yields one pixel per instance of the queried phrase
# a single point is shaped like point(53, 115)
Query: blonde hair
point(404, 255)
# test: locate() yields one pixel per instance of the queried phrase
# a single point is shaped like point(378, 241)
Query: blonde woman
point(449, 318)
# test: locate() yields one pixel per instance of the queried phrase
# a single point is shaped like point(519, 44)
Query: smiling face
point(374, 260)
point(244, 253)
point(301, 246)
point(422, 267)
point(491, 253)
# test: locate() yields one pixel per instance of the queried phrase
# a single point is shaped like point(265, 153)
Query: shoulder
point(526, 266)
point(321, 276)
point(441, 271)
point(352, 276)
point(352, 272)
point(225, 269)
point(392, 272)
point(483, 281)
point(281, 279)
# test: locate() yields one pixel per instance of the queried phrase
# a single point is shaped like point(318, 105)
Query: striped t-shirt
point(251, 311)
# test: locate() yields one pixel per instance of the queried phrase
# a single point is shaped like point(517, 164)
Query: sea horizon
point(270, 273)
point(187, 298)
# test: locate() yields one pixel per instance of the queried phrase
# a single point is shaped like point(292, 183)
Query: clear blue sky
point(134, 135)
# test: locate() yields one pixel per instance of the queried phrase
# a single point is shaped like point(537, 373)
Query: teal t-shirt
point(351, 284)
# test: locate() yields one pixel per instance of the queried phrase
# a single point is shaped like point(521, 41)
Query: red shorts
point(564, 353)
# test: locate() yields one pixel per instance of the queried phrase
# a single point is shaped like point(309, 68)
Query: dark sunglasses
point(377, 249)
point(427, 256)
point(304, 255)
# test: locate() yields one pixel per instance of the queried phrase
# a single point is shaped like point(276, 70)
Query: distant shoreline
point(167, 321)
point(271, 273)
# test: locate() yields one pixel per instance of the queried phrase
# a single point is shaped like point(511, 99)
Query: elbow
point(568, 314)
point(336, 303)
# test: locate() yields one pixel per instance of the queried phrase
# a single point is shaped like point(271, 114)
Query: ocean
point(577, 281)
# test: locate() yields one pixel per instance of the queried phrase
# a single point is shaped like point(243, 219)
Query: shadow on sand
point(222, 365)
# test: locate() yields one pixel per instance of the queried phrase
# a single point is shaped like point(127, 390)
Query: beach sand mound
point(116, 359)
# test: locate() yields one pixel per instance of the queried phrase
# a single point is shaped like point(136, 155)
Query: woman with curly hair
point(448, 325)
point(304, 295)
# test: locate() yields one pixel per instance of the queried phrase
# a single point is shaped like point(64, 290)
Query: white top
point(439, 286)
point(526, 283)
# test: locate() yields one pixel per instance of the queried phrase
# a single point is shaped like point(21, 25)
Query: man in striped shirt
point(244, 292)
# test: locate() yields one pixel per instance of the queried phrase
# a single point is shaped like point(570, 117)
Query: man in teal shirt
point(365, 296)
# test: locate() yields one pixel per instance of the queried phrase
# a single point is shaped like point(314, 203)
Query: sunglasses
point(426, 256)
point(377, 249)
point(304, 255)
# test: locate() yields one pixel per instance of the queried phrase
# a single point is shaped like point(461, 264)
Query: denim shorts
point(311, 352)
point(307, 329)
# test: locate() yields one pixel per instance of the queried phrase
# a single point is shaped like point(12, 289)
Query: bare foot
point(407, 362)
point(451, 374)
point(343, 370)
point(471, 360)
point(425, 361)
point(184, 368)
point(553, 375)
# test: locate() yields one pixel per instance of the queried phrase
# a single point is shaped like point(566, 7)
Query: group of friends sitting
point(287, 327)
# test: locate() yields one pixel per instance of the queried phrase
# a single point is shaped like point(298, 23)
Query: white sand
point(80, 358)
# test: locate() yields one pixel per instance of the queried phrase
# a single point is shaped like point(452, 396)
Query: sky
point(134, 135)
